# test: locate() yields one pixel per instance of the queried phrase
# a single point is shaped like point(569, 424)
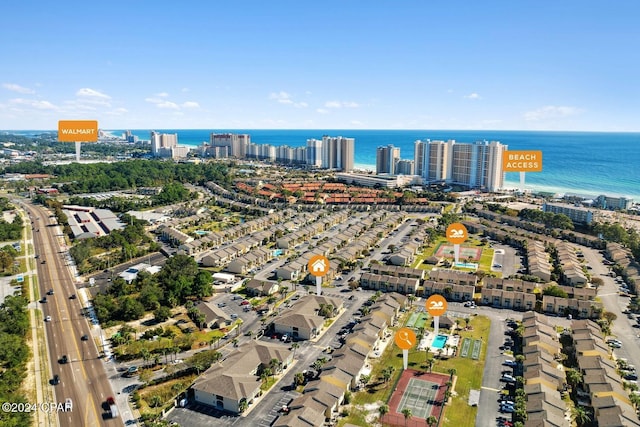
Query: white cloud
point(117, 112)
point(185, 89)
point(285, 98)
point(17, 88)
point(190, 104)
point(168, 104)
point(91, 93)
point(163, 103)
point(341, 104)
point(40, 105)
point(473, 96)
point(162, 94)
point(282, 97)
point(322, 111)
point(551, 112)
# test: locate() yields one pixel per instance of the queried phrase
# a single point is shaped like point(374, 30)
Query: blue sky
point(349, 64)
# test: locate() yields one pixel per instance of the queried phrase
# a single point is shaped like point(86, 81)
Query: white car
point(47, 319)
point(509, 362)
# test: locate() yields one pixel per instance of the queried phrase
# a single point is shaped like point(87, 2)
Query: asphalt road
point(83, 379)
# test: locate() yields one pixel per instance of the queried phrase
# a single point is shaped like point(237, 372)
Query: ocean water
point(583, 163)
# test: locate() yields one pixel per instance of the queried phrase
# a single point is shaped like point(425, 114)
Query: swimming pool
point(471, 265)
point(201, 232)
point(439, 341)
point(278, 252)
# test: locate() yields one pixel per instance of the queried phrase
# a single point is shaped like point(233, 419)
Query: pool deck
point(428, 338)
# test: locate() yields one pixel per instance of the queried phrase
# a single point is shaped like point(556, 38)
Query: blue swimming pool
point(201, 232)
point(439, 341)
point(278, 252)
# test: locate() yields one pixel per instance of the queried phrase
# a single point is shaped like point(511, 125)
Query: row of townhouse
point(451, 291)
point(234, 383)
point(539, 229)
point(516, 300)
point(571, 267)
point(543, 373)
point(626, 262)
point(398, 271)
point(362, 233)
point(255, 258)
point(386, 283)
point(323, 395)
point(531, 287)
point(314, 224)
point(453, 277)
point(601, 387)
point(585, 309)
point(538, 262)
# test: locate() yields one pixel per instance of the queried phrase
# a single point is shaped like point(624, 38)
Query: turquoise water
point(472, 265)
point(585, 163)
point(439, 341)
point(201, 232)
point(278, 252)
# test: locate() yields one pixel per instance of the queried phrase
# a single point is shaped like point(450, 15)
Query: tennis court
point(417, 320)
point(419, 396)
point(470, 253)
point(421, 392)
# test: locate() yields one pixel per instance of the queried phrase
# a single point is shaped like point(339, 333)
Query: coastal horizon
point(574, 162)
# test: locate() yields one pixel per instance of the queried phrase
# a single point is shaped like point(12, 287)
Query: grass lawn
point(155, 398)
point(468, 371)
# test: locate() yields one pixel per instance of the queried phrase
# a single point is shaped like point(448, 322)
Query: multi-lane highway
point(82, 378)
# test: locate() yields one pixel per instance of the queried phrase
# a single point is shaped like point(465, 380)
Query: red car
point(245, 302)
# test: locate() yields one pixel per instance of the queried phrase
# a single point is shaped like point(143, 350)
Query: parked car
point(510, 362)
point(245, 302)
point(508, 378)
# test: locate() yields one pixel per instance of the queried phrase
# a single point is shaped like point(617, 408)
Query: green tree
point(580, 415)
point(383, 410)
point(407, 415)
point(162, 313)
point(431, 421)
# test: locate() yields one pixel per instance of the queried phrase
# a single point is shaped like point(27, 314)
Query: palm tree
point(243, 405)
point(411, 299)
point(431, 421)
point(265, 374)
point(452, 372)
point(580, 415)
point(430, 362)
point(298, 378)
point(145, 354)
point(275, 364)
point(294, 347)
point(447, 395)
point(574, 377)
point(383, 410)
point(407, 414)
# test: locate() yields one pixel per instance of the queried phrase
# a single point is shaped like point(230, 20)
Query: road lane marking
point(489, 388)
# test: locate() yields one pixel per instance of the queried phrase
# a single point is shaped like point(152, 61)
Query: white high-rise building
point(162, 143)
point(314, 153)
point(475, 165)
point(386, 159)
point(338, 153)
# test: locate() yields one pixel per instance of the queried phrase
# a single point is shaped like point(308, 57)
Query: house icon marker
point(318, 265)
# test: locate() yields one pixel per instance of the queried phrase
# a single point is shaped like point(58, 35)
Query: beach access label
point(77, 130)
point(522, 161)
